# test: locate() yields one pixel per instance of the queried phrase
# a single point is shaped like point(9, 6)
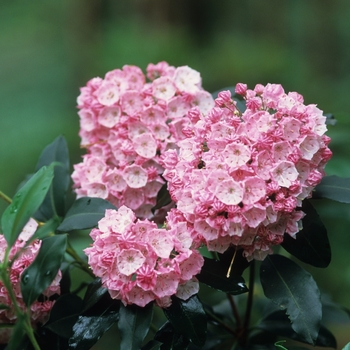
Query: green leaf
point(335, 188)
point(134, 323)
point(85, 213)
point(163, 198)
point(188, 318)
point(55, 153)
point(39, 275)
point(93, 294)
point(311, 244)
point(45, 230)
point(171, 339)
point(89, 329)
point(293, 289)
point(346, 347)
point(25, 203)
point(64, 315)
point(153, 345)
point(278, 323)
point(213, 274)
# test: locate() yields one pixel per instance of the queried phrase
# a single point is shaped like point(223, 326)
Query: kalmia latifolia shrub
point(239, 177)
point(178, 189)
point(25, 254)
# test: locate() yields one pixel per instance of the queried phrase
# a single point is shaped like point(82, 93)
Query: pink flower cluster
point(126, 123)
point(239, 178)
point(39, 309)
point(139, 262)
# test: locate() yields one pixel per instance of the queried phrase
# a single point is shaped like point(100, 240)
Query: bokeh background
point(48, 49)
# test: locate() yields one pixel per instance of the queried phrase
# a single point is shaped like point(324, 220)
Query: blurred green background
point(48, 49)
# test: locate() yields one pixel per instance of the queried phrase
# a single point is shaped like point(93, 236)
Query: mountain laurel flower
point(139, 262)
point(127, 123)
point(239, 178)
point(40, 309)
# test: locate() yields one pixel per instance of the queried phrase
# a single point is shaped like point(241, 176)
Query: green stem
point(7, 284)
point(83, 265)
point(249, 302)
point(5, 197)
point(219, 321)
point(30, 332)
point(235, 311)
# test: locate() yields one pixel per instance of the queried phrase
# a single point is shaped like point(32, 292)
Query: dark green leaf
point(57, 154)
point(188, 318)
point(170, 339)
point(293, 289)
point(89, 329)
point(163, 198)
point(279, 324)
point(240, 262)
point(311, 244)
point(93, 294)
point(39, 275)
point(25, 203)
point(134, 323)
point(85, 213)
point(213, 273)
point(152, 345)
point(335, 188)
point(45, 230)
point(64, 315)
point(19, 340)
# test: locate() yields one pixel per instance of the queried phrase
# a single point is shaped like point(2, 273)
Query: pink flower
point(240, 178)
point(39, 310)
point(127, 124)
point(144, 263)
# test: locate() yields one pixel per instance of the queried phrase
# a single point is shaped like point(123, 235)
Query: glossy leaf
point(93, 294)
point(152, 345)
point(39, 275)
point(89, 329)
point(213, 274)
point(170, 339)
point(85, 213)
point(45, 230)
point(163, 198)
point(311, 244)
point(134, 323)
point(188, 318)
point(293, 289)
point(25, 203)
point(57, 154)
point(279, 324)
point(239, 264)
point(335, 188)
point(64, 315)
